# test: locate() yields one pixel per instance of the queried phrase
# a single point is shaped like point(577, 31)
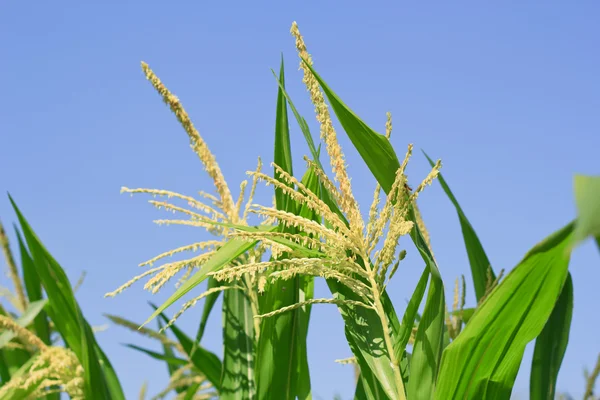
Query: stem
point(12, 270)
point(388, 339)
point(591, 380)
point(254, 306)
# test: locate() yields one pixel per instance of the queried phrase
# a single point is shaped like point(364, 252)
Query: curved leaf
point(478, 260)
point(100, 379)
point(551, 345)
point(483, 361)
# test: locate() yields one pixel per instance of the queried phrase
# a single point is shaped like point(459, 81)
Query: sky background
point(507, 94)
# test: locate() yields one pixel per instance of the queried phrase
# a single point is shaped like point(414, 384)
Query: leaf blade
point(100, 380)
point(231, 250)
point(550, 346)
point(484, 359)
point(478, 259)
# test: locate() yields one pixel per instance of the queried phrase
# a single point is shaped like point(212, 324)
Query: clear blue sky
point(506, 94)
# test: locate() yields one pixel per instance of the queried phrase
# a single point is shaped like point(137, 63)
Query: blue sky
point(506, 94)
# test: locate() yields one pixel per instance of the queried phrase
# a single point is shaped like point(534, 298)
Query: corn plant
point(46, 345)
point(314, 229)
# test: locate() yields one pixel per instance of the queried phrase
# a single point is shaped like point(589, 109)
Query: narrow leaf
point(32, 311)
point(209, 302)
point(380, 158)
point(33, 286)
point(408, 320)
point(68, 319)
point(587, 195)
point(223, 256)
point(205, 361)
point(429, 340)
point(281, 359)
point(478, 260)
point(171, 361)
point(483, 361)
point(302, 123)
point(168, 352)
point(283, 151)
point(551, 345)
point(374, 148)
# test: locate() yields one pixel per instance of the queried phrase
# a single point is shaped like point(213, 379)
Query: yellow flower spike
point(21, 302)
point(197, 142)
point(328, 134)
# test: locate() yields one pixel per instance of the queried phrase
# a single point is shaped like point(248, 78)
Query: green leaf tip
point(587, 202)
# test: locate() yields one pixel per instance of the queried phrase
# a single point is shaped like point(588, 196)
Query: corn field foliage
point(263, 259)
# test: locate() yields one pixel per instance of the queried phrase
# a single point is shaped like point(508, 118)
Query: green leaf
point(478, 260)
point(171, 361)
point(301, 122)
point(408, 320)
point(169, 353)
point(237, 379)
point(483, 361)
point(429, 340)
point(209, 302)
point(223, 256)
point(205, 361)
point(112, 380)
point(587, 201)
point(374, 148)
point(33, 286)
point(283, 151)
point(13, 359)
point(4, 369)
point(281, 359)
point(363, 333)
point(371, 391)
point(100, 380)
point(467, 313)
point(191, 392)
point(32, 311)
point(550, 346)
point(380, 158)
point(19, 393)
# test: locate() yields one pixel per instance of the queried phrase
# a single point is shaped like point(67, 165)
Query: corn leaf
point(170, 360)
point(191, 392)
point(380, 158)
point(33, 286)
point(363, 332)
point(21, 393)
point(13, 359)
point(374, 148)
point(478, 260)
point(466, 314)
point(587, 193)
point(429, 340)
point(32, 311)
point(209, 302)
point(169, 353)
point(368, 392)
point(301, 122)
point(205, 361)
point(408, 319)
point(100, 380)
point(223, 256)
point(283, 151)
point(550, 346)
point(4, 369)
point(484, 360)
point(282, 365)
point(237, 379)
